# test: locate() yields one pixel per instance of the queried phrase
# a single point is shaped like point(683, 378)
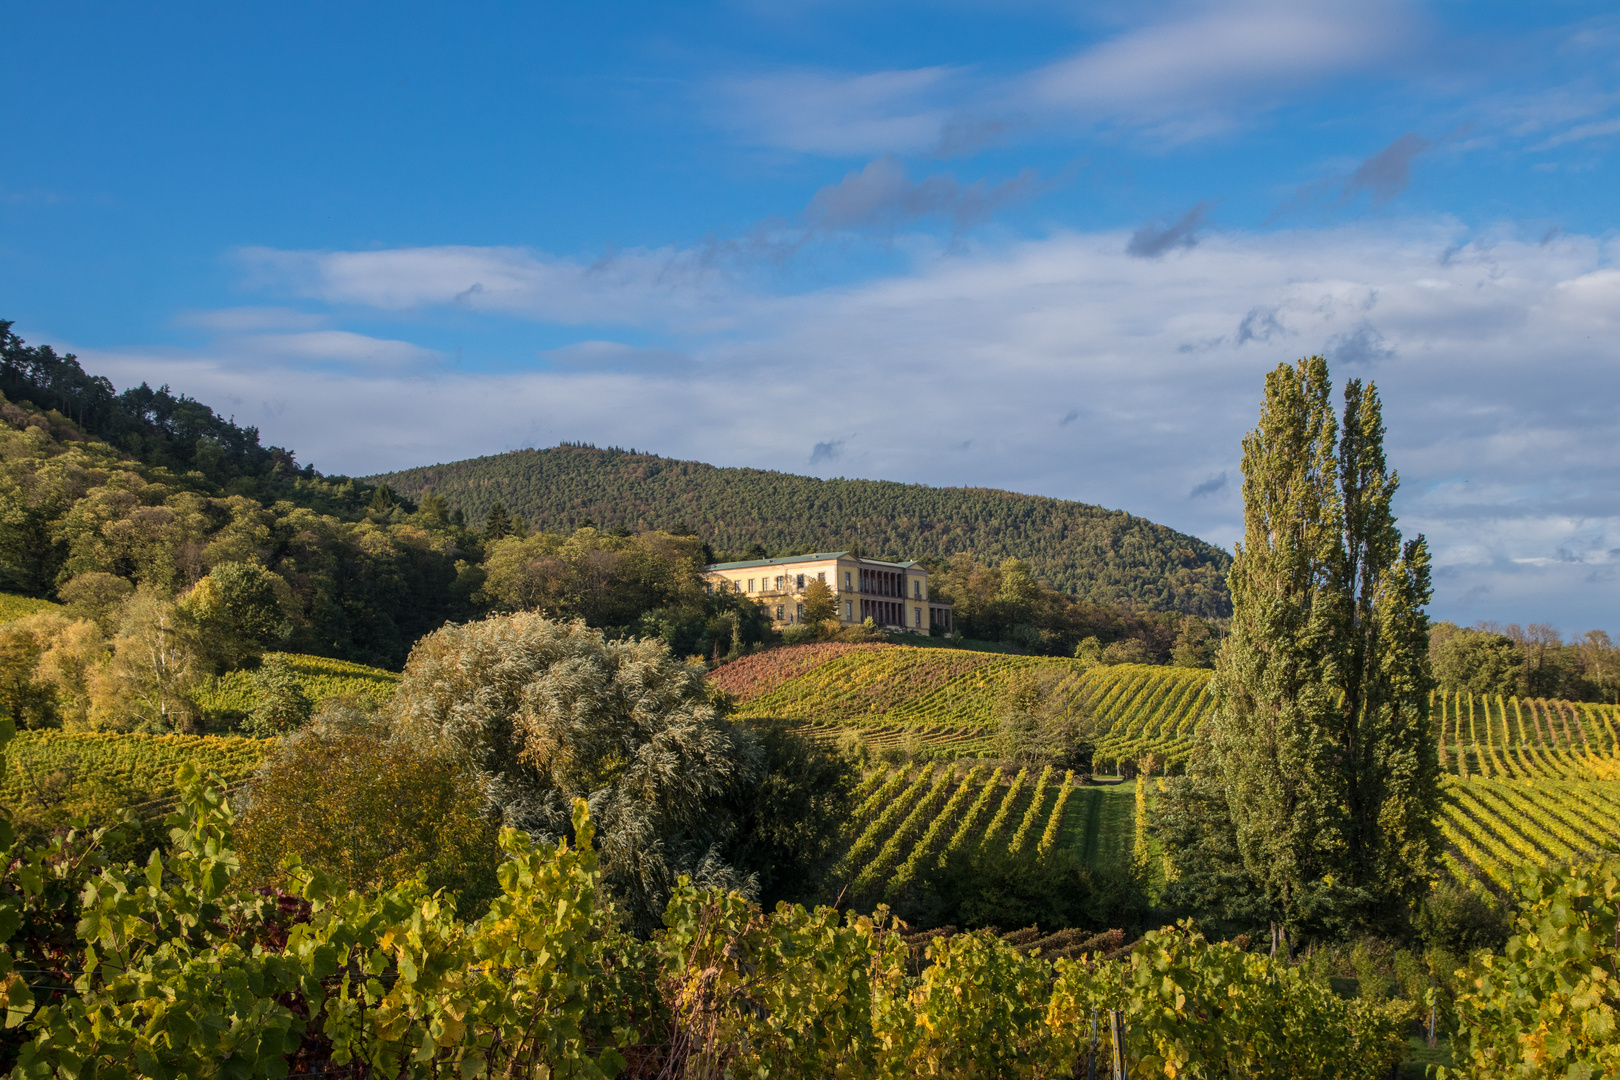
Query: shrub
point(790, 822)
point(1461, 919)
point(545, 712)
point(861, 633)
point(280, 704)
point(368, 809)
point(979, 886)
point(801, 634)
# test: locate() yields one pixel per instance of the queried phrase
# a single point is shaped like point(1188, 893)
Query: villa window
point(800, 613)
point(750, 584)
point(800, 582)
point(847, 586)
point(916, 588)
point(849, 611)
point(778, 612)
point(779, 580)
point(821, 575)
point(918, 623)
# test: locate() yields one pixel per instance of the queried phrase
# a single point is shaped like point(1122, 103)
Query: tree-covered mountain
point(1104, 556)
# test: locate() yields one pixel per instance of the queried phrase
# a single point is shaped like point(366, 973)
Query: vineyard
point(1534, 739)
point(759, 673)
point(907, 817)
point(320, 678)
point(144, 765)
point(1530, 781)
point(908, 820)
point(13, 606)
point(1492, 826)
point(945, 700)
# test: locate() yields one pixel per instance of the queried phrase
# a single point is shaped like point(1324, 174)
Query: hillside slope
point(951, 698)
point(1527, 780)
point(1105, 556)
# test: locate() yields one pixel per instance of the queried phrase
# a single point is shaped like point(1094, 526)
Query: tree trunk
point(1279, 939)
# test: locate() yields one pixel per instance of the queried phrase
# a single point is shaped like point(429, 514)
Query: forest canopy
point(1101, 556)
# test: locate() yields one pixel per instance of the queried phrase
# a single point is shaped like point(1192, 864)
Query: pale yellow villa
point(891, 594)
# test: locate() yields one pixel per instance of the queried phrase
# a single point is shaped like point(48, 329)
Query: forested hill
point(1105, 556)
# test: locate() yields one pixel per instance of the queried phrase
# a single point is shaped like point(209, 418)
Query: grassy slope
point(1102, 824)
point(1102, 555)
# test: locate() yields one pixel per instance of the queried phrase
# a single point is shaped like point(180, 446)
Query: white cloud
point(1187, 69)
point(245, 319)
point(839, 113)
point(1061, 366)
point(638, 285)
point(615, 356)
point(1181, 76)
point(1581, 132)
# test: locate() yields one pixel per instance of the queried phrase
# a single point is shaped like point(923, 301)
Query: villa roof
point(817, 556)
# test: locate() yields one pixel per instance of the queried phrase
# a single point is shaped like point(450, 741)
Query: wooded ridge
point(1105, 556)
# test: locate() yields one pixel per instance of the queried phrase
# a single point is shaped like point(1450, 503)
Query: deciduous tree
point(820, 603)
point(1321, 730)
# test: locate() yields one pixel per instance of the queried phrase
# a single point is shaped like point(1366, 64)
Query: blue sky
point(1046, 247)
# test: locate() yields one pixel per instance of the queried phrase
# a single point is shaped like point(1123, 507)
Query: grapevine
point(969, 819)
point(1006, 807)
point(1036, 802)
point(879, 828)
point(930, 839)
point(143, 763)
point(1054, 824)
point(889, 854)
point(892, 783)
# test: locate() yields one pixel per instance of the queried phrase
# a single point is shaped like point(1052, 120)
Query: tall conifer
point(498, 524)
point(1322, 735)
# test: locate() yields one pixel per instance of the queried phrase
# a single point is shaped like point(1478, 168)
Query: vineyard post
point(1091, 1059)
point(1116, 1032)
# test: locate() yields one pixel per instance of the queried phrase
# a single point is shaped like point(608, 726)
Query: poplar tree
point(1321, 738)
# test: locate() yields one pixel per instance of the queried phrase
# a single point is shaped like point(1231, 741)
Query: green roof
point(818, 556)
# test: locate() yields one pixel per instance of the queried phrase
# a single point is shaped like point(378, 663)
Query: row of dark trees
point(1527, 661)
point(153, 426)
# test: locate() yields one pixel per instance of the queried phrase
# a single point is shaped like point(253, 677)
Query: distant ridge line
point(1100, 555)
